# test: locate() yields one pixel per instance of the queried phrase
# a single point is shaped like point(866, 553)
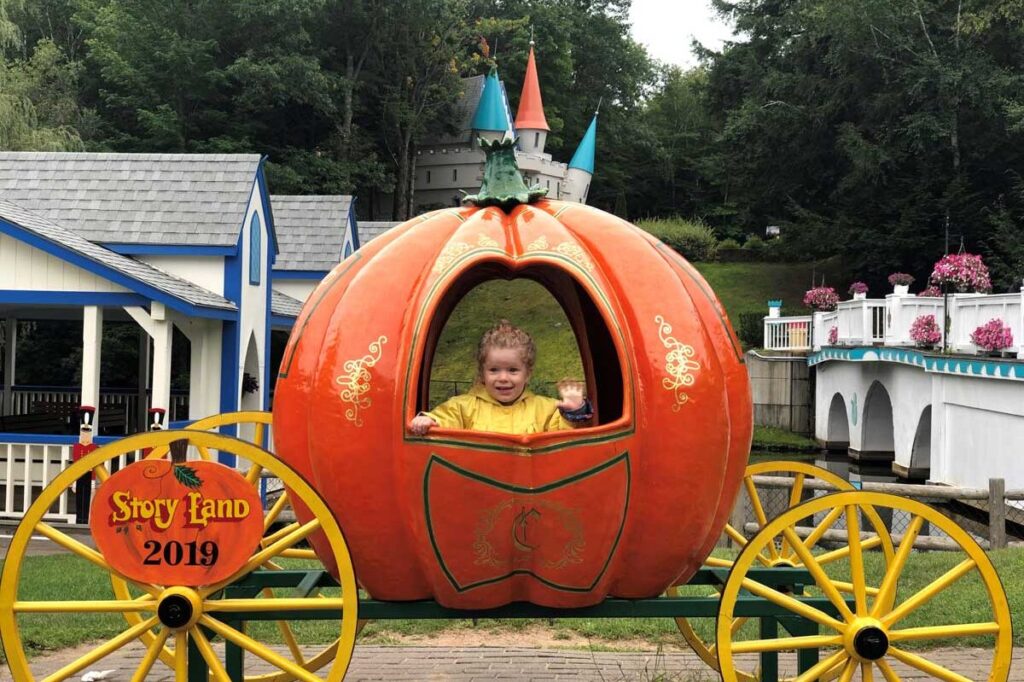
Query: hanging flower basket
point(964, 273)
point(833, 335)
point(822, 299)
point(250, 384)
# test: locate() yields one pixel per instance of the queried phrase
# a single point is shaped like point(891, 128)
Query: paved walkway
point(471, 664)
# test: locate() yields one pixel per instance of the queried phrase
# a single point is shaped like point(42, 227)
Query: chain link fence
point(993, 516)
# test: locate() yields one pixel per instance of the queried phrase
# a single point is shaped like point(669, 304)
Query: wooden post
point(997, 513)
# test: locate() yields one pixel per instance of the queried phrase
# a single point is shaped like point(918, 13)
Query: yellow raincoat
point(478, 411)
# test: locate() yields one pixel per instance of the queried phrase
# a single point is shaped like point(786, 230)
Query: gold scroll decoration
point(679, 363)
point(355, 382)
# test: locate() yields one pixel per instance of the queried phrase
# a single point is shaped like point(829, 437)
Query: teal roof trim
point(584, 156)
point(492, 112)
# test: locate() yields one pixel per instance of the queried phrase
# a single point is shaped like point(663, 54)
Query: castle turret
point(491, 120)
point(581, 168)
point(531, 125)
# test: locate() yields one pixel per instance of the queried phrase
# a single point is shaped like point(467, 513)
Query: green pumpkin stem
point(503, 184)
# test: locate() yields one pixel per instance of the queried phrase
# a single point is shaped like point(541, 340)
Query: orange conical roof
point(531, 110)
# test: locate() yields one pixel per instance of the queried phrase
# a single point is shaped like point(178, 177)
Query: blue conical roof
point(491, 113)
point(584, 156)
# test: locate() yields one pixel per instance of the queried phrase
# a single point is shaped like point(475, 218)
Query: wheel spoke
point(253, 474)
point(856, 560)
point(867, 672)
point(888, 589)
point(258, 433)
point(274, 512)
point(279, 533)
point(762, 519)
point(736, 536)
point(262, 556)
point(254, 647)
point(797, 607)
point(819, 575)
point(87, 553)
point(843, 552)
point(786, 643)
point(103, 650)
point(820, 529)
point(152, 653)
point(887, 672)
point(847, 588)
point(924, 665)
point(715, 562)
point(181, 657)
point(95, 606)
point(286, 633)
point(275, 604)
point(217, 670)
point(821, 667)
point(795, 493)
point(928, 592)
point(299, 554)
point(848, 670)
point(944, 631)
point(737, 624)
point(204, 453)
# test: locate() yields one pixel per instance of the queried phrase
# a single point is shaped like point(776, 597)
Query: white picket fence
point(869, 322)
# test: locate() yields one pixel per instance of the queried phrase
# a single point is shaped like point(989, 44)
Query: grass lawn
point(771, 439)
point(746, 287)
point(47, 577)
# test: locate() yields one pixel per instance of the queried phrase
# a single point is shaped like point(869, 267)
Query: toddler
point(499, 401)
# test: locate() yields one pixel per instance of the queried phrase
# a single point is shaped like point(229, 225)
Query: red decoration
point(476, 520)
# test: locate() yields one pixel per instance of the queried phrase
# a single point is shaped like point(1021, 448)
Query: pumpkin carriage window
point(567, 327)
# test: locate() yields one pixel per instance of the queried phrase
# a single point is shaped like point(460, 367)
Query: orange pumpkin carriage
point(596, 521)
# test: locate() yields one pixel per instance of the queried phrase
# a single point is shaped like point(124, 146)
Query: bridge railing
point(788, 333)
point(868, 322)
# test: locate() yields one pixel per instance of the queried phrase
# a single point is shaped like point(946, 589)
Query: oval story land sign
point(188, 523)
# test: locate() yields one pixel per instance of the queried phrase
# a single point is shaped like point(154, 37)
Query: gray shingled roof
point(282, 304)
point(310, 230)
point(136, 270)
point(368, 229)
point(194, 199)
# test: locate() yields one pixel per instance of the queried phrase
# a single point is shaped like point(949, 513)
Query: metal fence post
point(997, 513)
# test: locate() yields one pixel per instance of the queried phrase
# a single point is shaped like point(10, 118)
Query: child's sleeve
point(448, 414)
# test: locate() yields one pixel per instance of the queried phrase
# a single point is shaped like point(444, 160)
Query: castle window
point(558, 188)
point(455, 174)
point(255, 233)
point(548, 183)
point(536, 139)
point(428, 177)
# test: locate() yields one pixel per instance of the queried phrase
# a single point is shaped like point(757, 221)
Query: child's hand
point(571, 392)
point(420, 424)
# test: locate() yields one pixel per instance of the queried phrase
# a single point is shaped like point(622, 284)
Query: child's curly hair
point(506, 335)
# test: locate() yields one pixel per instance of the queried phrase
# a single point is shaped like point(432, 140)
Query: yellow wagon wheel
point(780, 552)
point(253, 427)
point(207, 602)
point(868, 634)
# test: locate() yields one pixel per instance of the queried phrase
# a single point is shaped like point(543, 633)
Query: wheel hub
point(179, 608)
point(871, 643)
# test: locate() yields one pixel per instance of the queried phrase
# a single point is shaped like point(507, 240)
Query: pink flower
point(858, 288)
point(833, 335)
point(966, 273)
point(821, 298)
point(993, 335)
point(925, 330)
point(900, 279)
point(932, 291)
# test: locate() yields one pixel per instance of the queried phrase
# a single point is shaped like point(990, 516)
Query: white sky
point(667, 27)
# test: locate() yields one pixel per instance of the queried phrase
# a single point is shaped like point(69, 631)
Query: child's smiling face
point(504, 374)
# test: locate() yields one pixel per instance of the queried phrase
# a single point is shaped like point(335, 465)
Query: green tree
point(39, 109)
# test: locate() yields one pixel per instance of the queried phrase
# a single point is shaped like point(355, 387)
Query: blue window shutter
point(255, 232)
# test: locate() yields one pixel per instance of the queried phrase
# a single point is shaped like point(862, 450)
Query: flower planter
point(901, 289)
point(859, 297)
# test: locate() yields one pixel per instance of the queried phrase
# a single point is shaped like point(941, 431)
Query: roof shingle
point(310, 230)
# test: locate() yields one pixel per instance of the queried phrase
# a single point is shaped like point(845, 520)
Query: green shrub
point(754, 243)
point(750, 329)
point(695, 241)
point(728, 243)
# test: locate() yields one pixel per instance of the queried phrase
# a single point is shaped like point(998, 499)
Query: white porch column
point(92, 341)
point(158, 325)
point(163, 333)
point(10, 352)
point(204, 338)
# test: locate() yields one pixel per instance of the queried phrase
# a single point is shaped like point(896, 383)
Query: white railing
point(788, 333)
point(27, 469)
point(868, 322)
point(25, 400)
point(970, 311)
